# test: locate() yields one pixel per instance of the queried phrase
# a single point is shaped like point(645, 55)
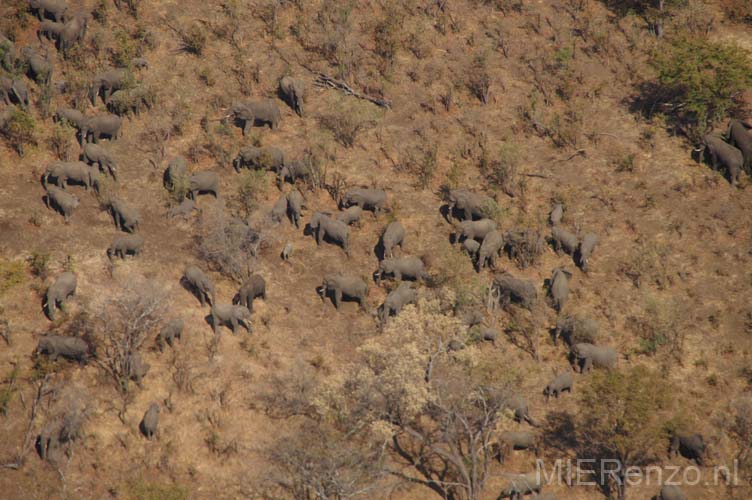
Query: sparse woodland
point(342, 249)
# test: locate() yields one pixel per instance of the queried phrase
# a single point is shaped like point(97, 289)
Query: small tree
point(619, 422)
point(18, 128)
point(228, 244)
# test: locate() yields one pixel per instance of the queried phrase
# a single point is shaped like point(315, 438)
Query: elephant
point(262, 111)
point(14, 90)
point(559, 288)
point(51, 30)
point(127, 218)
point(169, 332)
point(203, 182)
point(516, 440)
point(671, 492)
point(232, 315)
point(492, 246)
point(253, 287)
point(295, 205)
point(65, 171)
point(63, 202)
point(72, 116)
point(62, 430)
point(471, 247)
point(59, 292)
point(267, 158)
point(564, 240)
point(279, 210)
point(8, 50)
point(127, 244)
point(52, 9)
point(71, 348)
point(691, 446)
point(102, 125)
point(585, 250)
point(723, 154)
point(176, 173)
point(587, 356)
point(293, 91)
point(393, 235)
point(136, 367)
point(509, 289)
point(350, 215)
point(323, 225)
point(470, 205)
point(131, 101)
point(473, 229)
point(65, 34)
point(139, 63)
point(287, 251)
point(576, 330)
point(556, 214)
point(738, 135)
point(520, 410)
point(522, 484)
point(524, 246)
point(344, 285)
point(472, 318)
point(293, 171)
point(365, 198)
point(183, 209)
point(397, 299)
point(94, 154)
point(488, 334)
point(560, 383)
point(106, 83)
point(200, 284)
point(409, 267)
point(150, 421)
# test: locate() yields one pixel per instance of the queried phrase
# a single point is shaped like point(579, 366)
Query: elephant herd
point(732, 152)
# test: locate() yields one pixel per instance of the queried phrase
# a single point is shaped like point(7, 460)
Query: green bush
point(142, 490)
point(251, 187)
point(19, 129)
point(11, 274)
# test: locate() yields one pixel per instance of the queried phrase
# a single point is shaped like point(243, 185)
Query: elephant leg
point(234, 324)
point(318, 235)
point(588, 365)
point(337, 298)
point(201, 297)
point(215, 323)
point(247, 127)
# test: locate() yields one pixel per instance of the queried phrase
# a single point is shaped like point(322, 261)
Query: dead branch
point(579, 152)
point(323, 80)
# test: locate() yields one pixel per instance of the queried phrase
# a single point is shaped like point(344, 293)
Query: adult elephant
point(106, 83)
point(739, 136)
point(260, 111)
point(292, 91)
point(722, 154)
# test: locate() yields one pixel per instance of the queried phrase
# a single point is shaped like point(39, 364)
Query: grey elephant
point(492, 246)
point(287, 251)
point(515, 440)
point(671, 492)
point(295, 205)
point(560, 383)
point(520, 410)
point(267, 158)
point(231, 315)
point(64, 172)
point(471, 205)
point(739, 136)
point(136, 367)
point(62, 430)
point(559, 288)
point(691, 446)
point(203, 182)
point(350, 215)
point(522, 484)
point(509, 289)
point(14, 91)
point(51, 30)
point(59, 292)
point(344, 285)
point(397, 299)
point(722, 154)
point(293, 171)
point(473, 229)
point(471, 247)
point(172, 330)
point(127, 218)
point(261, 111)
point(488, 334)
point(129, 244)
point(176, 173)
point(365, 198)
point(393, 235)
point(71, 116)
point(293, 91)
point(65, 35)
point(564, 240)
point(587, 356)
point(279, 210)
point(62, 201)
point(183, 209)
point(556, 214)
point(410, 267)
point(102, 125)
point(104, 84)
point(200, 284)
point(94, 154)
point(59, 346)
point(576, 330)
point(150, 421)
point(52, 9)
point(252, 288)
point(139, 63)
point(322, 225)
point(585, 251)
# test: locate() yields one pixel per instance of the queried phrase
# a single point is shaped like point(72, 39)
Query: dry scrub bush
point(648, 262)
point(738, 10)
point(501, 170)
point(479, 79)
point(18, 128)
point(346, 120)
point(252, 186)
point(658, 329)
point(422, 162)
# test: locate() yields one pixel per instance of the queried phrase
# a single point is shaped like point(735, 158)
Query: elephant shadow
point(379, 251)
point(209, 320)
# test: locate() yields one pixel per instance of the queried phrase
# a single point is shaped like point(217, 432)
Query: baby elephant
point(691, 446)
point(127, 218)
point(150, 422)
point(397, 299)
point(587, 356)
point(402, 267)
point(171, 331)
point(560, 383)
point(393, 235)
point(287, 251)
point(63, 202)
point(203, 182)
point(344, 285)
point(255, 286)
point(72, 348)
point(200, 284)
point(559, 288)
point(232, 315)
point(58, 293)
point(125, 245)
point(350, 215)
point(671, 492)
